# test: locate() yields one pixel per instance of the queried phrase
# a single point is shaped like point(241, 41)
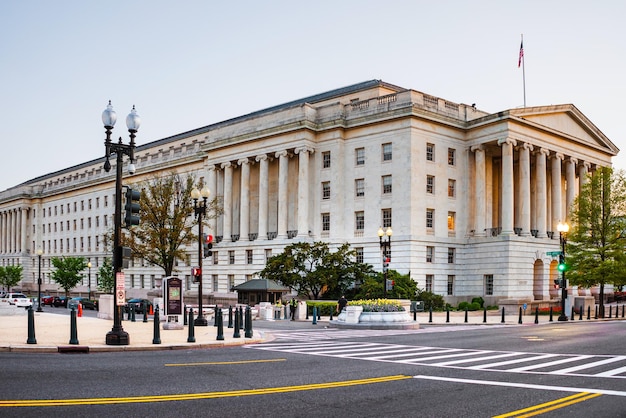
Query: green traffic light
point(561, 267)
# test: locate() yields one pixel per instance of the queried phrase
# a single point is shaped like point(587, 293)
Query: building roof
point(261, 285)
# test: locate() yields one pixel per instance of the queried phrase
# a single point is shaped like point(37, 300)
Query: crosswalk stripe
point(590, 365)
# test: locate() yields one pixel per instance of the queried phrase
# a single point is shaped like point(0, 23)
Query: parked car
point(47, 300)
point(18, 299)
point(138, 304)
point(60, 301)
point(87, 303)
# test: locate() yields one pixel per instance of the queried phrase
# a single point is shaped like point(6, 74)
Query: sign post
point(173, 303)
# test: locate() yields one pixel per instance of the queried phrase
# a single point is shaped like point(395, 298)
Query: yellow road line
point(195, 396)
point(550, 406)
point(223, 362)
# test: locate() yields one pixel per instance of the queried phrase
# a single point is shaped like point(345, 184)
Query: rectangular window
point(360, 156)
point(430, 254)
point(386, 215)
point(430, 152)
point(430, 218)
point(451, 221)
point(326, 190)
point(359, 220)
point(326, 222)
point(387, 152)
point(215, 282)
point(489, 284)
point(231, 281)
point(359, 187)
point(450, 285)
point(231, 257)
point(451, 254)
point(215, 257)
point(326, 159)
point(249, 256)
point(451, 188)
point(451, 156)
point(359, 254)
point(387, 184)
point(429, 282)
point(430, 184)
point(268, 254)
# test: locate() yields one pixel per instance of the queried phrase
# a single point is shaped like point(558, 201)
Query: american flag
point(521, 54)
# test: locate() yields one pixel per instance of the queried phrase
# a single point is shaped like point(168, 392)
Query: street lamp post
point(39, 253)
point(563, 228)
point(385, 246)
point(199, 209)
point(89, 280)
point(117, 335)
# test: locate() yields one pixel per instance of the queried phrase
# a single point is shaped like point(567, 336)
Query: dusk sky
point(188, 64)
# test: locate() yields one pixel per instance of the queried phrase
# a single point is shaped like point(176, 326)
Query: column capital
point(475, 148)
point(527, 146)
point(262, 157)
point(283, 153)
point(573, 160)
point(226, 165)
point(543, 151)
point(304, 149)
point(558, 156)
point(509, 141)
point(243, 161)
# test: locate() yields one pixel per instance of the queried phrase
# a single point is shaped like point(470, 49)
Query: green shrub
point(480, 301)
point(431, 300)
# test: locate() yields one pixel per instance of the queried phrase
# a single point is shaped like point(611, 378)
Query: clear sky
point(187, 64)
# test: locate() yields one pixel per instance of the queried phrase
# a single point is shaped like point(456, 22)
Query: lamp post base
point(201, 321)
point(117, 337)
point(39, 309)
point(562, 318)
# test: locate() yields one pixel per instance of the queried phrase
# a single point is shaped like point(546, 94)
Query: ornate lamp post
point(385, 246)
point(117, 335)
point(563, 228)
point(39, 253)
point(199, 208)
point(89, 280)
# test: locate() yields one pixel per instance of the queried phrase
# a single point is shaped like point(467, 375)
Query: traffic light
point(386, 261)
point(132, 207)
point(557, 283)
point(389, 284)
point(207, 244)
point(562, 265)
point(196, 274)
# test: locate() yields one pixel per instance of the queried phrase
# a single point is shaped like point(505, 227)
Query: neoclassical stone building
point(473, 197)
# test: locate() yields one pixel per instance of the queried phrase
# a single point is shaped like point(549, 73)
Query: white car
point(18, 299)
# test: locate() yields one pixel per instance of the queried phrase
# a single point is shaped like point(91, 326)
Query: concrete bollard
point(191, 337)
point(73, 329)
point(220, 326)
point(536, 315)
point(519, 321)
point(156, 335)
point(248, 331)
point(31, 326)
point(314, 315)
point(230, 316)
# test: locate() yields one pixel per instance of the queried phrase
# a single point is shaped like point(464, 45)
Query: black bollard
point(610, 312)
point(156, 337)
point(551, 314)
point(307, 311)
point(536, 315)
point(191, 338)
point(430, 314)
point(230, 316)
point(572, 315)
point(466, 315)
point(241, 317)
point(588, 313)
point(596, 317)
point(145, 311)
point(73, 329)
point(415, 314)
point(236, 334)
point(248, 331)
point(484, 315)
point(622, 311)
point(502, 320)
point(447, 314)
point(580, 314)
point(519, 321)
point(215, 315)
point(314, 315)
point(319, 313)
point(31, 326)
point(220, 326)
point(185, 313)
point(331, 315)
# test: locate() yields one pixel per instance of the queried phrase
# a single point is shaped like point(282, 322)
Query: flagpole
point(521, 52)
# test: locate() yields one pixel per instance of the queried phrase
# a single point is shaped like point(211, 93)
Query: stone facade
point(473, 198)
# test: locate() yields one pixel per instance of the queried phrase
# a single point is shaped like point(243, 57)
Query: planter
point(384, 317)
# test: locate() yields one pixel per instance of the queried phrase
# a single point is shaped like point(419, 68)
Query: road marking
point(212, 363)
point(196, 396)
point(523, 385)
point(550, 406)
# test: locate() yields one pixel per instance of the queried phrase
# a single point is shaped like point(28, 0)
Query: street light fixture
point(199, 209)
point(563, 228)
point(117, 335)
point(385, 246)
point(39, 253)
point(89, 280)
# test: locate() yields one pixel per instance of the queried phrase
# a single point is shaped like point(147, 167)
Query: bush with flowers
point(378, 305)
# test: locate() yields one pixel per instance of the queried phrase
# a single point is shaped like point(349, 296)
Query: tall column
point(542, 193)
point(263, 194)
point(570, 176)
point(212, 183)
point(283, 176)
point(555, 167)
point(13, 229)
point(303, 190)
point(2, 229)
point(508, 194)
point(524, 204)
point(583, 172)
point(244, 210)
point(23, 228)
point(228, 201)
point(480, 187)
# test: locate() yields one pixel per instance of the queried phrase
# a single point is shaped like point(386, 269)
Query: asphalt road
point(573, 369)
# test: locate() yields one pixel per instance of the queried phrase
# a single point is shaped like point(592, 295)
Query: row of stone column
point(13, 228)
point(263, 211)
point(524, 205)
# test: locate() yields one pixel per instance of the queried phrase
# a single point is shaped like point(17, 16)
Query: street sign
point(553, 253)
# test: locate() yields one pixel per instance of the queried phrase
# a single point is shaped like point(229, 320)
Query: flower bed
point(378, 305)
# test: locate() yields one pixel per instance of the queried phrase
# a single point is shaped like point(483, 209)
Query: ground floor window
point(488, 284)
point(450, 285)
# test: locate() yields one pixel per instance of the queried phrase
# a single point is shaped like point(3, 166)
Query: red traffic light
point(209, 239)
point(196, 272)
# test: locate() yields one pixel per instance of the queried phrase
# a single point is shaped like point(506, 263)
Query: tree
point(403, 286)
point(595, 243)
point(67, 271)
point(312, 269)
point(106, 282)
point(10, 276)
point(165, 227)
